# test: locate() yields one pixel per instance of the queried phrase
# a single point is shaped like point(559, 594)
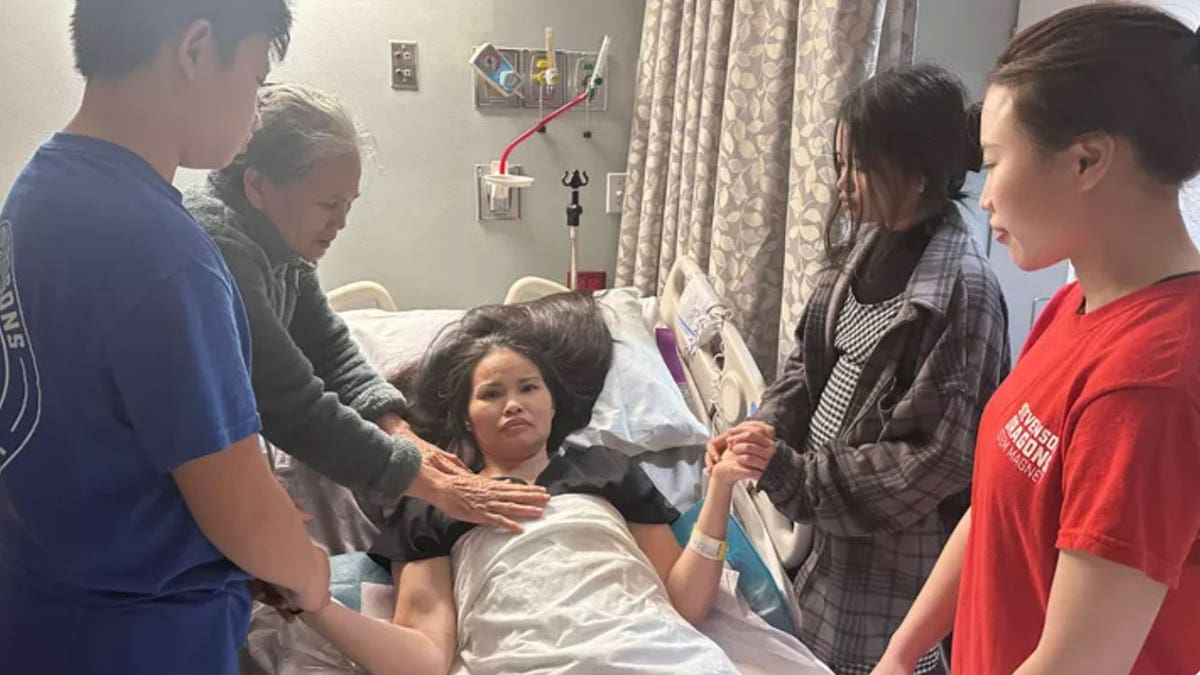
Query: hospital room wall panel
point(414, 229)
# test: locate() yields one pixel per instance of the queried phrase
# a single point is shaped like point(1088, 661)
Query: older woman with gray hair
point(274, 212)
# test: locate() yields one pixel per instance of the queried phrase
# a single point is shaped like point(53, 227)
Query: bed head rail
point(731, 385)
point(526, 289)
point(361, 295)
point(723, 373)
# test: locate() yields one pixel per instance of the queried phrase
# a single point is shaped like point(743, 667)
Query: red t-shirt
point(1092, 444)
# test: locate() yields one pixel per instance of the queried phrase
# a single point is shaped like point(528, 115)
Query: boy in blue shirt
point(134, 500)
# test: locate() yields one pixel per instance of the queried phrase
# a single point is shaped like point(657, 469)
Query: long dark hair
point(909, 122)
point(563, 335)
point(1128, 70)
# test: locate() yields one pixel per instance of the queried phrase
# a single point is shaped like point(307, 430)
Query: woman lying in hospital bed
point(599, 583)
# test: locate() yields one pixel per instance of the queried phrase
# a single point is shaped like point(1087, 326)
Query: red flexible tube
point(533, 129)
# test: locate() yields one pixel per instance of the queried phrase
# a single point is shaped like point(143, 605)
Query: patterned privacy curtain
point(730, 155)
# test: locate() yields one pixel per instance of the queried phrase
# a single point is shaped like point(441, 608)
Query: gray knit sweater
point(316, 393)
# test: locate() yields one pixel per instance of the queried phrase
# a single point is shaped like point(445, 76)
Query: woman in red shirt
point(1080, 553)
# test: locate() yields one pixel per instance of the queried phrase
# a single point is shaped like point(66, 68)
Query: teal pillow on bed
point(348, 572)
point(755, 582)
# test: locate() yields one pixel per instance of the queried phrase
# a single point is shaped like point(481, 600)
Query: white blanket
point(573, 594)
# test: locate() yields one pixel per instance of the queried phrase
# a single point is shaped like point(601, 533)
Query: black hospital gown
point(420, 531)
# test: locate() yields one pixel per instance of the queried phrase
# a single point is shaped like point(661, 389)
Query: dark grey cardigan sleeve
point(325, 340)
point(298, 414)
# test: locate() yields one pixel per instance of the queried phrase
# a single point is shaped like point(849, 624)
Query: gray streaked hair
point(298, 127)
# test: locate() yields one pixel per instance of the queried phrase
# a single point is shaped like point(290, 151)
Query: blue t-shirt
point(125, 355)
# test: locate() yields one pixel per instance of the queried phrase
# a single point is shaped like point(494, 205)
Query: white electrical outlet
point(614, 192)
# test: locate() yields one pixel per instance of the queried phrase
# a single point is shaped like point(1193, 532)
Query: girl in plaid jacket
point(867, 434)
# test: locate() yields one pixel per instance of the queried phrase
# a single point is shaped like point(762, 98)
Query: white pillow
point(392, 340)
point(641, 408)
point(650, 312)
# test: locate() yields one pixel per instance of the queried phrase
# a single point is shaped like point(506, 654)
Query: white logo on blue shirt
point(20, 383)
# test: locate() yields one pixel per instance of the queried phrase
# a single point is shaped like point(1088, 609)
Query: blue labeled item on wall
point(496, 70)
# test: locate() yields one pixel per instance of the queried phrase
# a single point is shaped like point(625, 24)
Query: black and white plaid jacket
point(884, 495)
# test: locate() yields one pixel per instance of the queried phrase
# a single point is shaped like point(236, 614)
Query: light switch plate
point(404, 65)
point(614, 192)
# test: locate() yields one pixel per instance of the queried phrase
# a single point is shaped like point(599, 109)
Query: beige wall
point(414, 229)
point(966, 36)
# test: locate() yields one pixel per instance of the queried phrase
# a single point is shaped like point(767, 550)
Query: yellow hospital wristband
point(707, 547)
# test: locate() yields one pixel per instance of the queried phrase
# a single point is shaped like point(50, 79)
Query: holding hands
point(741, 452)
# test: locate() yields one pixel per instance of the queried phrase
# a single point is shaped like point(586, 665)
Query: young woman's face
point(511, 409)
point(853, 186)
point(869, 198)
point(309, 212)
point(1032, 195)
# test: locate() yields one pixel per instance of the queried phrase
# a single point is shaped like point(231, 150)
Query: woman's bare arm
point(421, 638)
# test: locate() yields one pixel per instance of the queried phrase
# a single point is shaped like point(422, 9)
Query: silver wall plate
point(405, 73)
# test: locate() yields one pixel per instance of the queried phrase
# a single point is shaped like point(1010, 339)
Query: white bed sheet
point(730, 383)
point(519, 601)
point(676, 472)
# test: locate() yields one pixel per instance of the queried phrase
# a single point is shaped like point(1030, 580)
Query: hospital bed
point(721, 386)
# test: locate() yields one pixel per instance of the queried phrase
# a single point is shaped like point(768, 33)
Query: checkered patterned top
point(859, 327)
point(883, 493)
